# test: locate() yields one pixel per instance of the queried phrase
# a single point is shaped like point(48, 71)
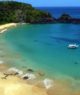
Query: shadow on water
point(76, 62)
point(66, 39)
point(43, 42)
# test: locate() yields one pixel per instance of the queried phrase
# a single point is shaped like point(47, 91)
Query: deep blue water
point(58, 11)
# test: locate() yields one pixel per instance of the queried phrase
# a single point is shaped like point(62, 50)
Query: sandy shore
point(15, 85)
point(4, 27)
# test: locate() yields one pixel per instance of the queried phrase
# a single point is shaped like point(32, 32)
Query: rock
point(15, 71)
point(29, 76)
point(41, 74)
point(30, 70)
point(66, 18)
point(25, 77)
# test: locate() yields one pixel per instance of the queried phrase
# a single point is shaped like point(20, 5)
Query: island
point(66, 18)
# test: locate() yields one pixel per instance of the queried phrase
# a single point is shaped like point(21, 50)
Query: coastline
point(28, 79)
point(4, 27)
point(14, 81)
point(14, 84)
point(60, 87)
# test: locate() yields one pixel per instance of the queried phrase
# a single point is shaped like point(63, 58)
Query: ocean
point(58, 11)
point(43, 48)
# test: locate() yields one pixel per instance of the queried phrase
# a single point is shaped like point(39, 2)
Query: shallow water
point(43, 47)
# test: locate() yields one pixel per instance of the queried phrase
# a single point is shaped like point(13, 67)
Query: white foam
point(29, 75)
point(48, 83)
point(16, 70)
point(3, 30)
point(1, 62)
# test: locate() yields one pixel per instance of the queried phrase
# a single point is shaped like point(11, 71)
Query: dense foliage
point(65, 17)
point(12, 11)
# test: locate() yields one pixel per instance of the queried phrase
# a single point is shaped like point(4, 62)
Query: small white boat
point(73, 46)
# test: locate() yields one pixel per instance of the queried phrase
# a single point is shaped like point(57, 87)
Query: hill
point(12, 11)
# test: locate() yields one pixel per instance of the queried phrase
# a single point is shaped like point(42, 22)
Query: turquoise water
point(43, 47)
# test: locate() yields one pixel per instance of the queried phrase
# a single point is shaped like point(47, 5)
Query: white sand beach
point(15, 86)
point(4, 27)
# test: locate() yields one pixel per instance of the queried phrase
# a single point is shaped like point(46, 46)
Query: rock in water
point(30, 70)
point(29, 76)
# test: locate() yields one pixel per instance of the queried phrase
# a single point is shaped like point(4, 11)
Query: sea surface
point(58, 11)
point(43, 48)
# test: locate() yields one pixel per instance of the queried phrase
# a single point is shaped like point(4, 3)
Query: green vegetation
point(12, 11)
point(17, 12)
point(65, 17)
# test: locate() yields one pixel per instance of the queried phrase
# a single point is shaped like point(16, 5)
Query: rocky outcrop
point(66, 18)
point(12, 11)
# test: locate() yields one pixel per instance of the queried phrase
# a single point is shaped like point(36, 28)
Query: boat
point(73, 46)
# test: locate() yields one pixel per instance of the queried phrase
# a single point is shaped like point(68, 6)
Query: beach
point(14, 85)
point(15, 82)
point(4, 27)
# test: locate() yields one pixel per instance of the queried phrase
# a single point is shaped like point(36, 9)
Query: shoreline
point(4, 27)
point(15, 85)
point(30, 83)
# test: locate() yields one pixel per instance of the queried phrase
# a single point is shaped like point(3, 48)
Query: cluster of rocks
point(30, 76)
point(64, 18)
